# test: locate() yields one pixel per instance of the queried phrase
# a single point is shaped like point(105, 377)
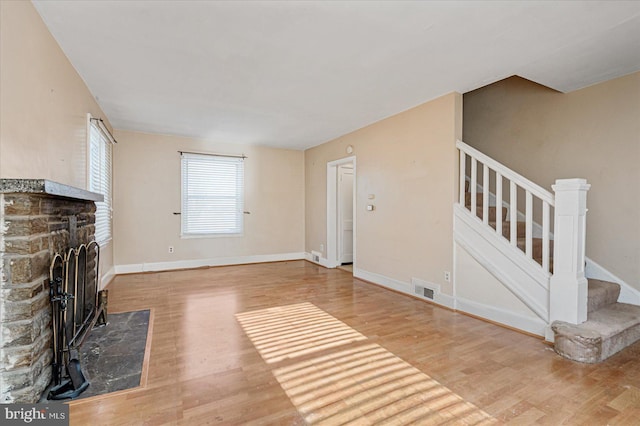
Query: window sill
point(192, 236)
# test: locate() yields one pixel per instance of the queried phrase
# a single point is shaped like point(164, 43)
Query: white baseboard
point(529, 324)
point(518, 321)
point(402, 287)
point(107, 277)
point(628, 294)
point(199, 263)
point(446, 300)
point(382, 280)
point(321, 260)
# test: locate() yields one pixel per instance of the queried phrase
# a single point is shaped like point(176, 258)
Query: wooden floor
point(214, 358)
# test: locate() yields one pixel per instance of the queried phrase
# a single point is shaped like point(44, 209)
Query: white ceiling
point(296, 74)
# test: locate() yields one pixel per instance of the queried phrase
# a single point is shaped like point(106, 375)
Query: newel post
point(568, 286)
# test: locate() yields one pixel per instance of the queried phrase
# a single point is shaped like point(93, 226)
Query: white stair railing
point(470, 161)
point(565, 279)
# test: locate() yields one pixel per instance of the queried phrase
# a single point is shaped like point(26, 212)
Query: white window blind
point(212, 194)
point(100, 152)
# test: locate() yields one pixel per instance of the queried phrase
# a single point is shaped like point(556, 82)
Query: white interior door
point(345, 213)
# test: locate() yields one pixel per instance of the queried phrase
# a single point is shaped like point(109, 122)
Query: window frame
point(104, 183)
point(192, 194)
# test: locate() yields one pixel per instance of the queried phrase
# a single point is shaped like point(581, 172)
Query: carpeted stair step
point(607, 331)
point(479, 205)
point(492, 213)
point(467, 199)
point(536, 247)
point(506, 229)
point(601, 294)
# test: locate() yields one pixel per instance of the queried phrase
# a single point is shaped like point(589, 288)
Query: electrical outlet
point(447, 276)
point(170, 249)
point(321, 248)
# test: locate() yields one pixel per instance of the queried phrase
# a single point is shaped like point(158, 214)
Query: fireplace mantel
point(48, 187)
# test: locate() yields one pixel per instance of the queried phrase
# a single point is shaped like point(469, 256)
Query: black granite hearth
point(112, 356)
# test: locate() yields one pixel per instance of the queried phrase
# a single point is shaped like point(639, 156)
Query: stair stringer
point(520, 275)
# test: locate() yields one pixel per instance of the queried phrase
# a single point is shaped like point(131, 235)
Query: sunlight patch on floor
point(370, 385)
point(363, 384)
point(295, 330)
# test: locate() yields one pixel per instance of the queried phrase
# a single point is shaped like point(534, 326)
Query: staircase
point(610, 326)
point(521, 241)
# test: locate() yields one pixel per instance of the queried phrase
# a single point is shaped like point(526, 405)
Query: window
point(212, 194)
point(100, 177)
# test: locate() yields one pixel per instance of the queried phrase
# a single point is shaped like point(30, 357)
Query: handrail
point(520, 180)
point(514, 181)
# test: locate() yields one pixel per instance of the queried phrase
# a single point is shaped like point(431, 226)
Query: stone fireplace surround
point(37, 219)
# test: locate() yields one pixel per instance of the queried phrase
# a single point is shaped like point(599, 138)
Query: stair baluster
point(463, 181)
point(585, 318)
point(499, 203)
point(513, 201)
point(545, 236)
point(482, 205)
point(529, 224)
point(485, 195)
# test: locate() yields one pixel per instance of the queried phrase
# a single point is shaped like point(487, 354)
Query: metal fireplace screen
point(75, 309)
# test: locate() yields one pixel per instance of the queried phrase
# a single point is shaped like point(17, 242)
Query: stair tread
point(609, 320)
point(535, 239)
point(607, 331)
point(536, 247)
point(467, 199)
point(492, 212)
point(596, 285)
point(506, 223)
point(601, 293)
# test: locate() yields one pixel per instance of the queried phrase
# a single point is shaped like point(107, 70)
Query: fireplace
point(38, 218)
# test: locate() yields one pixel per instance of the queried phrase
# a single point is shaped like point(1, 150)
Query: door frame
point(332, 210)
point(344, 204)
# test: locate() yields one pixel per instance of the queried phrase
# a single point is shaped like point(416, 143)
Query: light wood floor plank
point(204, 369)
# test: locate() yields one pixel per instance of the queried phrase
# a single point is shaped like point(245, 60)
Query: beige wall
point(408, 161)
point(43, 102)
point(43, 105)
point(147, 192)
point(593, 133)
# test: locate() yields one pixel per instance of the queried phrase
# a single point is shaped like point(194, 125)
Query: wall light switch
point(370, 207)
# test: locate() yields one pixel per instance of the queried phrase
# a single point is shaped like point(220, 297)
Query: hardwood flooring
point(356, 352)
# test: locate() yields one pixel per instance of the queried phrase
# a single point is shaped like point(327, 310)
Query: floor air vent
point(424, 292)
